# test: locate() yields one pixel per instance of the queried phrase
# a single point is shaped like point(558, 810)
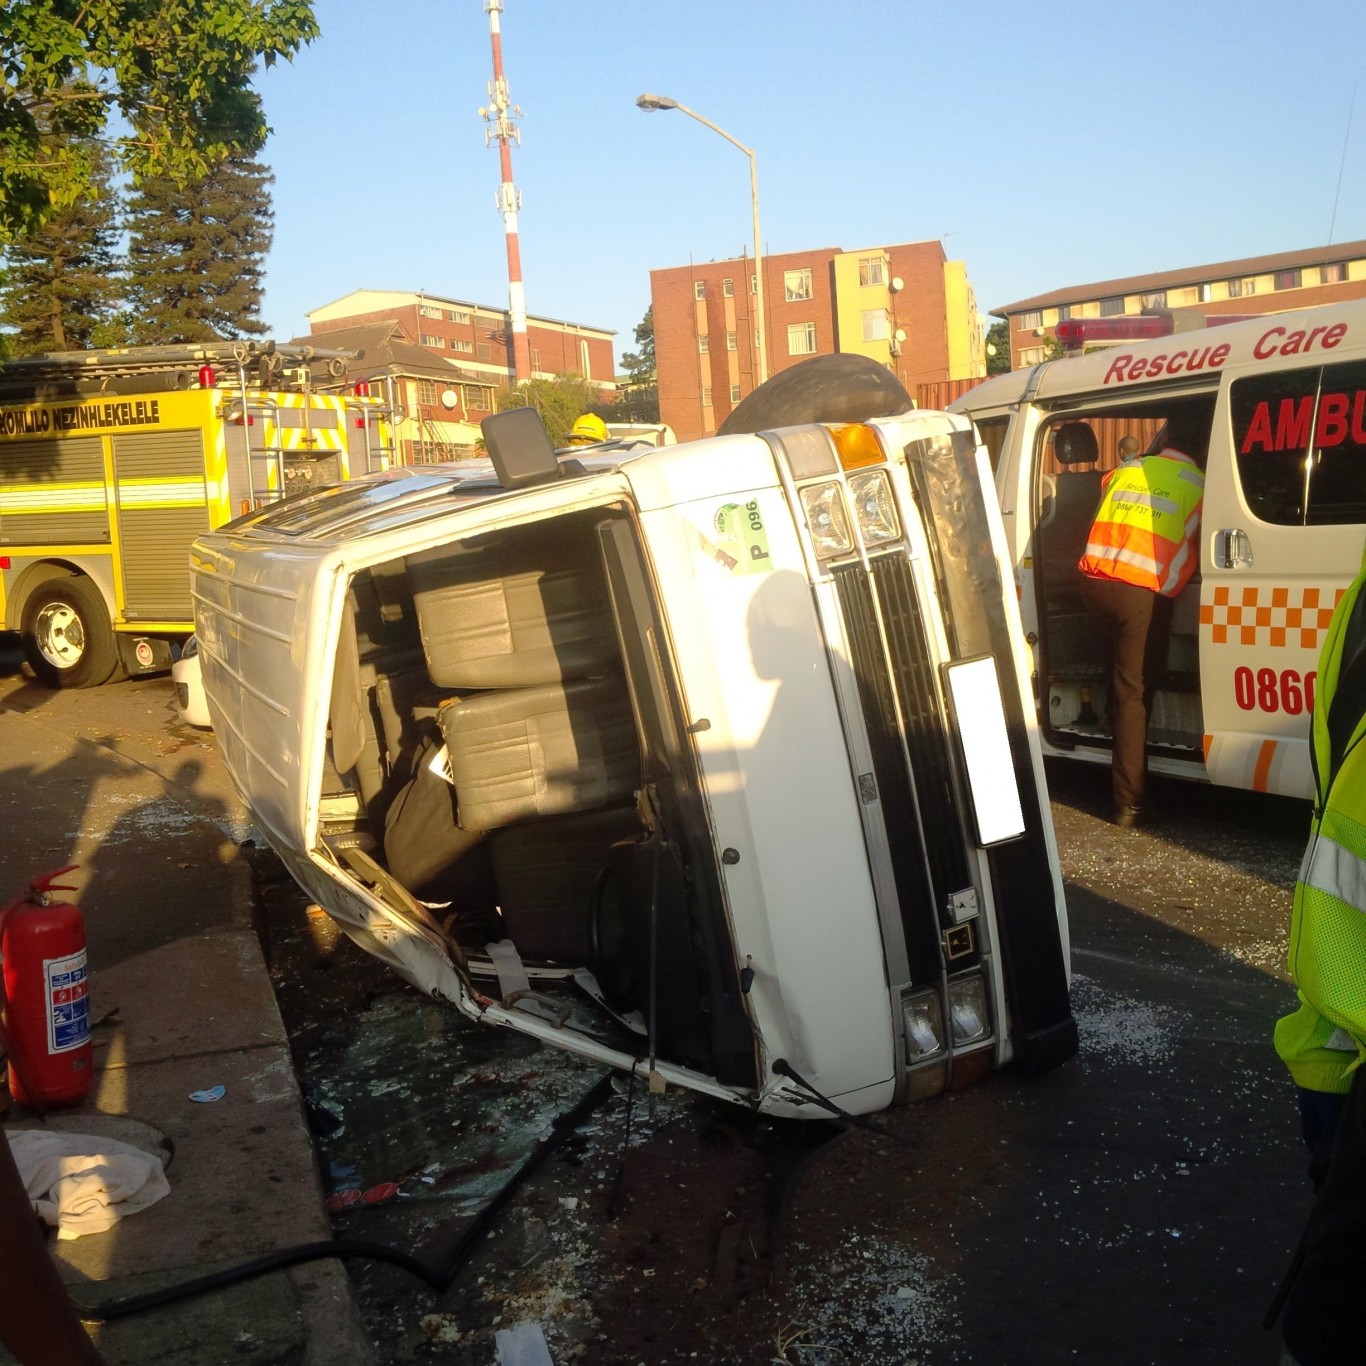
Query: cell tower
point(499, 114)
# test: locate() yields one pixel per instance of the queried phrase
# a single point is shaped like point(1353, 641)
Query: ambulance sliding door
point(1283, 535)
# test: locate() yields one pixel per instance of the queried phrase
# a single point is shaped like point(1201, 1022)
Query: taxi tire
point(98, 659)
point(841, 387)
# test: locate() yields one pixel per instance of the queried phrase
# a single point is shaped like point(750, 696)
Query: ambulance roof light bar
point(1075, 333)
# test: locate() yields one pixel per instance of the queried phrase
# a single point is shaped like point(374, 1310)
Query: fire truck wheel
point(68, 640)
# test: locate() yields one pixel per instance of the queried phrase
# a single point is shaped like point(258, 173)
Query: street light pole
point(651, 102)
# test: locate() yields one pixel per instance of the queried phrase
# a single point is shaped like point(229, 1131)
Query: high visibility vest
point(1145, 529)
point(1323, 1041)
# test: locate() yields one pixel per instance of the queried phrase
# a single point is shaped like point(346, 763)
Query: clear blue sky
point(1045, 143)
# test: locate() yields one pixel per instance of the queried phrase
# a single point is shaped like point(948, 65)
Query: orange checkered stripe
point(1266, 616)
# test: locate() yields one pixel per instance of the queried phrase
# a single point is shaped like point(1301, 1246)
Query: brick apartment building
point(906, 306)
point(468, 357)
point(1255, 284)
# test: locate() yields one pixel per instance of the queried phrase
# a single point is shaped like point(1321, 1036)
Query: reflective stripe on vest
point(1146, 537)
point(1330, 868)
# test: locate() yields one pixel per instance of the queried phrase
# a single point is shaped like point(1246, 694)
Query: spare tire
point(838, 388)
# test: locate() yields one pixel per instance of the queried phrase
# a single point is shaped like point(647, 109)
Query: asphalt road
point(1137, 1206)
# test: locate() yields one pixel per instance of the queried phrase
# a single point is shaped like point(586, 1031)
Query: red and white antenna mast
point(499, 114)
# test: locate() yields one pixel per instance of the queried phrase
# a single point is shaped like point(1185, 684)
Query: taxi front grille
point(898, 691)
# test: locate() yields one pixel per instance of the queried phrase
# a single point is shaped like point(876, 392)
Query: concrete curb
point(167, 895)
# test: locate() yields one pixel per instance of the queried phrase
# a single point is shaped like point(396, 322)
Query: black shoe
point(1127, 817)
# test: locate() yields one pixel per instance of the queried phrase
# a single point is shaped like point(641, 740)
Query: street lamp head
point(649, 102)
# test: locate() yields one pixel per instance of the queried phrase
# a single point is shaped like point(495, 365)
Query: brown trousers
point(1136, 623)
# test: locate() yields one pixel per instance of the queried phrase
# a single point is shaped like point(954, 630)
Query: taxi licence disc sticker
point(740, 537)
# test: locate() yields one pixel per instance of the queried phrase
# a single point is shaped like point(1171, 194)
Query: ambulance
point(112, 461)
point(712, 762)
point(1274, 408)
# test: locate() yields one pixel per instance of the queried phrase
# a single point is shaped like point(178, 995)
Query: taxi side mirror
point(519, 446)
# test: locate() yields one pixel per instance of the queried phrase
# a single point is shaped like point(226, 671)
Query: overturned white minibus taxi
point(718, 763)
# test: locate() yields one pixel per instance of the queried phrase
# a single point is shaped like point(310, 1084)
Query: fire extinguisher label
point(68, 1002)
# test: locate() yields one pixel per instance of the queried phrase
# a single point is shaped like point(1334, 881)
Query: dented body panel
point(636, 735)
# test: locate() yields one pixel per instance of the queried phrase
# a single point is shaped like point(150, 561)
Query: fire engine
point(113, 461)
point(1279, 405)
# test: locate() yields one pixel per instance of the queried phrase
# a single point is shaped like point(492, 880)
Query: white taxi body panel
point(774, 770)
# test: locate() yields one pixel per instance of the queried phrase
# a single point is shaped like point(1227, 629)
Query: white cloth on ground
point(80, 1183)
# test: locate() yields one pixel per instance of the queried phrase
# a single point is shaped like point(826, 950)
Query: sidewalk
point(166, 894)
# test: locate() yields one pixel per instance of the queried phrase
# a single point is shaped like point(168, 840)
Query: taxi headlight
point(874, 507)
point(968, 1009)
point(827, 519)
point(922, 1023)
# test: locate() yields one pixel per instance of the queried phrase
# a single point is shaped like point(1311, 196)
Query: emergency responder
point(587, 430)
point(1324, 1040)
point(1140, 553)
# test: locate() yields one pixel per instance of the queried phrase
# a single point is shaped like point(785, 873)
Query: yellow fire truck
point(113, 461)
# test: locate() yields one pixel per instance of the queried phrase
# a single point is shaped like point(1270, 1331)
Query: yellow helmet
point(587, 429)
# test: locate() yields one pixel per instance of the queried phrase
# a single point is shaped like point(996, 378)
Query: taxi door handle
point(1232, 549)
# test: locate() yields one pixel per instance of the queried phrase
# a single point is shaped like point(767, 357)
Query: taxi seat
point(515, 610)
point(522, 753)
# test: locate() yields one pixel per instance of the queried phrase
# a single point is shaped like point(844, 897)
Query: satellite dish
point(449, 398)
point(897, 284)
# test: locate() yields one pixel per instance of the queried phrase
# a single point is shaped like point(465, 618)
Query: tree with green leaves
point(639, 366)
point(61, 291)
point(638, 398)
point(176, 72)
point(559, 401)
point(998, 348)
point(196, 254)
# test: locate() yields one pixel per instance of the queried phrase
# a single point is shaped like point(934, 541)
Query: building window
point(429, 340)
point(484, 351)
point(1064, 312)
point(730, 341)
point(801, 339)
point(428, 311)
point(458, 345)
point(703, 344)
point(1032, 355)
point(870, 271)
point(426, 391)
point(1242, 289)
point(1287, 279)
point(735, 393)
point(753, 284)
point(796, 285)
point(727, 289)
point(875, 324)
point(706, 395)
point(1203, 294)
point(1112, 306)
point(478, 397)
point(699, 289)
point(1333, 274)
point(457, 315)
point(585, 369)
point(535, 357)
point(1157, 299)
point(1029, 322)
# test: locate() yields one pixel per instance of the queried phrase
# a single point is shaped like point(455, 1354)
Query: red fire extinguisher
point(46, 1000)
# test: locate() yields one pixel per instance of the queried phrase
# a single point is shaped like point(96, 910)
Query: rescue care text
point(1275, 341)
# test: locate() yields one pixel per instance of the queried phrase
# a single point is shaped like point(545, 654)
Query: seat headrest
point(1074, 443)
